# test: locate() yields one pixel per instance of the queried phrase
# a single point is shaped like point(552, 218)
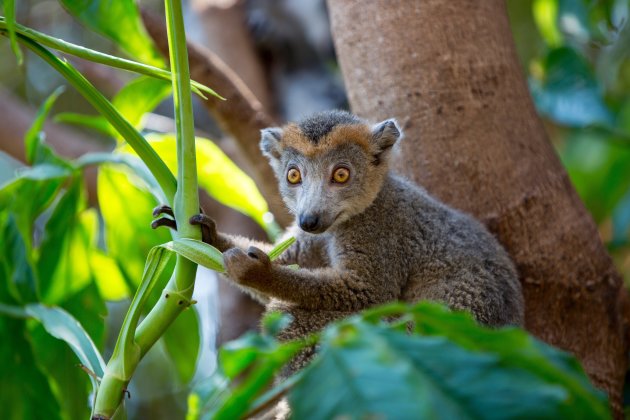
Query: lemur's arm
point(355, 286)
point(307, 251)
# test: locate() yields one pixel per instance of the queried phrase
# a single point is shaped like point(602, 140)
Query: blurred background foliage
point(85, 254)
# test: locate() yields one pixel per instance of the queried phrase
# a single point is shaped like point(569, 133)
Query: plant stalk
point(178, 293)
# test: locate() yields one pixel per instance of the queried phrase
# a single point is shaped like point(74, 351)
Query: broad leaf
point(63, 326)
point(25, 392)
point(468, 372)
point(220, 177)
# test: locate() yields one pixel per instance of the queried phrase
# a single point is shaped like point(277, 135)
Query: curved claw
point(208, 227)
point(164, 221)
point(163, 209)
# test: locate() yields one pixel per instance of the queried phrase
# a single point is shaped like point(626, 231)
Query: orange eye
point(341, 175)
point(294, 176)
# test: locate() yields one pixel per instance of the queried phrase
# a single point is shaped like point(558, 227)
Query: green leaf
point(64, 374)
point(126, 206)
point(93, 122)
point(26, 392)
point(119, 21)
point(139, 97)
point(569, 94)
point(198, 252)
point(62, 263)
point(599, 169)
point(368, 370)
point(264, 357)
point(26, 198)
point(108, 277)
point(545, 15)
point(134, 101)
point(9, 11)
point(182, 344)
point(23, 281)
point(63, 326)
point(35, 149)
point(280, 248)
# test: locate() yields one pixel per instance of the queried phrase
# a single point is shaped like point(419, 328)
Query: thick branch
point(241, 115)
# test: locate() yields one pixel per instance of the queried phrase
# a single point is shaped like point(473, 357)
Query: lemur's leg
point(357, 286)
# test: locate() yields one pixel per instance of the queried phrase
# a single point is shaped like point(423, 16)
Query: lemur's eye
point(341, 175)
point(294, 176)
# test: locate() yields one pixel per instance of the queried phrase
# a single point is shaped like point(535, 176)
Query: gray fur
point(382, 239)
point(318, 125)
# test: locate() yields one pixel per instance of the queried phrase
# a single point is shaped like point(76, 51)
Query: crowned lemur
point(364, 236)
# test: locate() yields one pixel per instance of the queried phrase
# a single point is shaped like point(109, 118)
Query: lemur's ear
point(270, 142)
point(384, 135)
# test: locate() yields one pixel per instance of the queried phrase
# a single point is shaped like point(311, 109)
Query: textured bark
point(241, 115)
point(448, 71)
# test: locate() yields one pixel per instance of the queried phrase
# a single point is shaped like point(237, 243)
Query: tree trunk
point(449, 72)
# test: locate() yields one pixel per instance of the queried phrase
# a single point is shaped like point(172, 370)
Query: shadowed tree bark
point(449, 72)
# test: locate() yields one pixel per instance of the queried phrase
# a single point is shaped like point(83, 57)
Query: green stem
point(186, 197)
point(99, 57)
point(156, 165)
point(178, 292)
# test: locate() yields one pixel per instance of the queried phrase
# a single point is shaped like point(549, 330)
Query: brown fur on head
point(316, 147)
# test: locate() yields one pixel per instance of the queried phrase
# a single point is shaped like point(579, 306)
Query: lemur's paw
point(251, 269)
point(163, 221)
point(208, 228)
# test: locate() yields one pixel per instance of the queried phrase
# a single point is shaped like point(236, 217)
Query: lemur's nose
point(309, 222)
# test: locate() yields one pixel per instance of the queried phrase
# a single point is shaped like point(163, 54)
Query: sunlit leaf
point(108, 277)
point(65, 251)
point(35, 149)
point(54, 250)
point(120, 21)
point(126, 205)
point(219, 176)
point(197, 252)
point(546, 15)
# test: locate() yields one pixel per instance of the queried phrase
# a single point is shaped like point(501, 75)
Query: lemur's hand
point(208, 227)
point(252, 269)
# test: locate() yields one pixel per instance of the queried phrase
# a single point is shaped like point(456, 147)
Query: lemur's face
point(327, 175)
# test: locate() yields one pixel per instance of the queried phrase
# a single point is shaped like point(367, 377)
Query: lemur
point(364, 236)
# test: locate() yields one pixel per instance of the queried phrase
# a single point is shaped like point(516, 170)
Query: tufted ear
point(384, 135)
point(270, 142)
